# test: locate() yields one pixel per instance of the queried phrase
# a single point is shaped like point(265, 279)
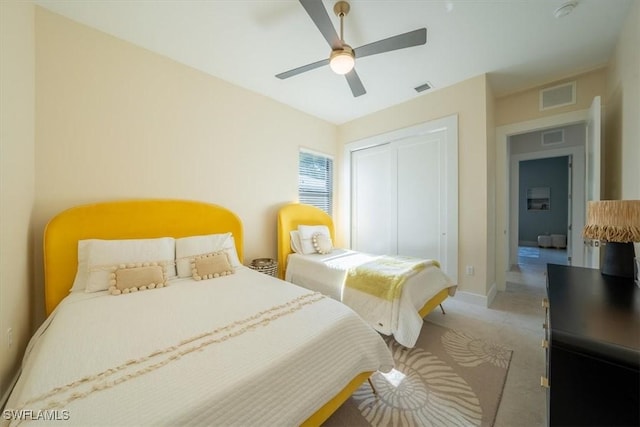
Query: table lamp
point(617, 223)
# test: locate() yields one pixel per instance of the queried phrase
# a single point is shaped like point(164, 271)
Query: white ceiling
point(518, 42)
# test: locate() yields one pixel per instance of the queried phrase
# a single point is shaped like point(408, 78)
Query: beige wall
point(16, 181)
point(491, 188)
point(622, 120)
point(523, 106)
point(468, 100)
point(117, 121)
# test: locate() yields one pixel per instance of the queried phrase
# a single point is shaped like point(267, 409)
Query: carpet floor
point(448, 379)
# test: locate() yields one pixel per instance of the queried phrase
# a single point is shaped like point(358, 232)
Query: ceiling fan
point(342, 58)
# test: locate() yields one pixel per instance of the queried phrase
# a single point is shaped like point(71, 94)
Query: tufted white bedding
point(327, 273)
point(247, 349)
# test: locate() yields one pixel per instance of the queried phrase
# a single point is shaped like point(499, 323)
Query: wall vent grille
point(423, 87)
point(553, 137)
point(558, 96)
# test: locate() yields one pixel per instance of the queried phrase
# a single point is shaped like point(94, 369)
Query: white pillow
point(82, 274)
point(306, 236)
point(296, 245)
point(230, 248)
point(190, 247)
point(103, 255)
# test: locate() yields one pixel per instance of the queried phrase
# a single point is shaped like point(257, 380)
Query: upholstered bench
point(559, 241)
point(544, 241)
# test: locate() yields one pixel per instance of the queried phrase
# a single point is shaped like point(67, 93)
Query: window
point(315, 180)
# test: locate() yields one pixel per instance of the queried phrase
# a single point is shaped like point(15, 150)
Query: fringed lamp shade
point(617, 222)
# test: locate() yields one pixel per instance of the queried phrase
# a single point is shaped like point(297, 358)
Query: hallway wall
point(550, 173)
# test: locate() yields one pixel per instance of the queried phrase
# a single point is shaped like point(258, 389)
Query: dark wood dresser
point(592, 345)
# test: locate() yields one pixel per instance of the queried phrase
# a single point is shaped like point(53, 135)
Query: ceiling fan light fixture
point(342, 60)
point(565, 9)
point(342, 57)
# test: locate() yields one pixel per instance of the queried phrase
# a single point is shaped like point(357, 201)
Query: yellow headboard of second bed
point(289, 218)
point(126, 219)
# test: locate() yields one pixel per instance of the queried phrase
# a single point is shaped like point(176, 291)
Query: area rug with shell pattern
point(448, 379)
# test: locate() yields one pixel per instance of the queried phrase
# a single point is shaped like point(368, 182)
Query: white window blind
point(315, 180)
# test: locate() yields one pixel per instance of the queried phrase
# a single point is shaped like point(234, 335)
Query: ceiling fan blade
point(320, 17)
point(401, 41)
point(304, 68)
point(355, 83)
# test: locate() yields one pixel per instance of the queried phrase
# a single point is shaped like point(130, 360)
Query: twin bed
point(228, 349)
point(421, 285)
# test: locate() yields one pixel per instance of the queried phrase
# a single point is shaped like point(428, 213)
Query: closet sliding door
point(419, 197)
point(401, 197)
point(372, 198)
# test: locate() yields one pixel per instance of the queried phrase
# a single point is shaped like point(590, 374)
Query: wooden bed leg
point(442, 308)
point(375, 392)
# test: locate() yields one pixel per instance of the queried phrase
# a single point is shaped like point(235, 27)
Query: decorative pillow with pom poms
point(211, 266)
point(322, 243)
point(128, 278)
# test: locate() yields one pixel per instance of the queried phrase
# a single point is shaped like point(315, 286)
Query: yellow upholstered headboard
point(289, 218)
point(127, 219)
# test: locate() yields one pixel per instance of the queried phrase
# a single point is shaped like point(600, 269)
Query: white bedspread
point(241, 350)
point(327, 274)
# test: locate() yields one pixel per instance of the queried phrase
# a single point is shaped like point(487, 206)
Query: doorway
point(547, 195)
point(544, 209)
point(586, 163)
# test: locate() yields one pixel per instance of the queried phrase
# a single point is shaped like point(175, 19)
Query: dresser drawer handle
point(545, 344)
point(544, 382)
point(545, 302)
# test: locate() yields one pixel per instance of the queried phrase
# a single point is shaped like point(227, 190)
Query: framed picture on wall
point(539, 199)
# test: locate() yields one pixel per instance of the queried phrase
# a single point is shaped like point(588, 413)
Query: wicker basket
point(265, 265)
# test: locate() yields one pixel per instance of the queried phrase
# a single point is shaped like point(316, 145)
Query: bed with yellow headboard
point(327, 273)
point(235, 347)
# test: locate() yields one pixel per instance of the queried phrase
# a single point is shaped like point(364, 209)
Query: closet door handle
point(545, 303)
point(545, 344)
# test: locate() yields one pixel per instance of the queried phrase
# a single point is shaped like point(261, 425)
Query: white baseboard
point(477, 299)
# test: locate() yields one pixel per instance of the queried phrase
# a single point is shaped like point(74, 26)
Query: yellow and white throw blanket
point(384, 276)
point(374, 290)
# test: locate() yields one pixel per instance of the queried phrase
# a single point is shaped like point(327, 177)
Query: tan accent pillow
point(322, 243)
point(210, 266)
point(136, 277)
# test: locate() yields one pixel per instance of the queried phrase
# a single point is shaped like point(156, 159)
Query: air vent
point(423, 87)
point(558, 96)
point(553, 137)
